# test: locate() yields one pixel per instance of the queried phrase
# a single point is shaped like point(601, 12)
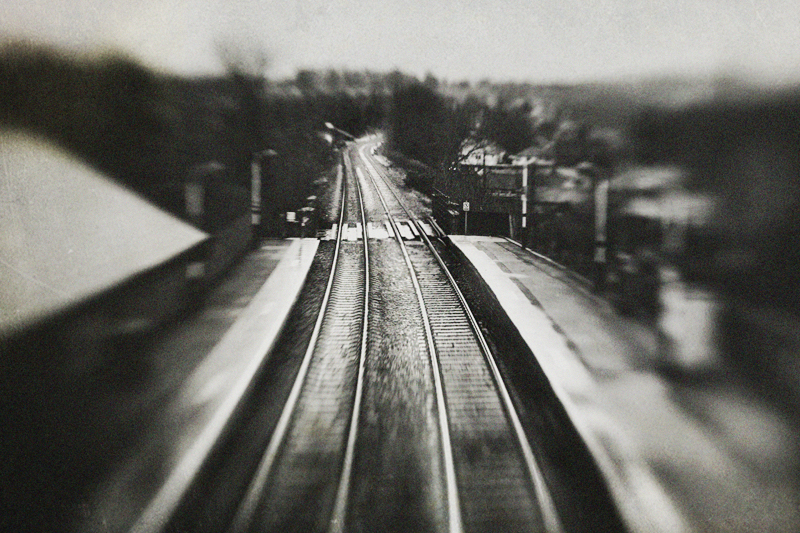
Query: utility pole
point(524, 198)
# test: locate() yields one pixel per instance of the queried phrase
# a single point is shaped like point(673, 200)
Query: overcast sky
point(538, 40)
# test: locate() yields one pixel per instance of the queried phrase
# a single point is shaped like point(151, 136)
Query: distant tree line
point(430, 123)
point(567, 124)
point(426, 125)
point(151, 131)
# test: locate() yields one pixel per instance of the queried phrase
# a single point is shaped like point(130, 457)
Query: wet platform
point(677, 454)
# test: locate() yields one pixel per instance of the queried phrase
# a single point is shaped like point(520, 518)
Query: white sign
point(290, 216)
point(465, 207)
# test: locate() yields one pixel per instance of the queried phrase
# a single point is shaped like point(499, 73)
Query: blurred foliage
point(570, 124)
point(425, 126)
point(149, 129)
point(152, 131)
point(744, 151)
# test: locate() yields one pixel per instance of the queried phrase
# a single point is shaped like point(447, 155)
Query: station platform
point(677, 454)
point(197, 373)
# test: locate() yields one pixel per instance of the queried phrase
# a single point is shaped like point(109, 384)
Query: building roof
point(529, 152)
point(67, 232)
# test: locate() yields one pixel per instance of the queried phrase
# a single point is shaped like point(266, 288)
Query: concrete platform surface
point(199, 371)
point(678, 455)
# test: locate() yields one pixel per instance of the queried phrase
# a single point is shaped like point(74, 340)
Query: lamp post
point(339, 131)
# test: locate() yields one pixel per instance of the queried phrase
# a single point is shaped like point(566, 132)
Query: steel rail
point(250, 502)
point(338, 516)
point(547, 506)
point(453, 504)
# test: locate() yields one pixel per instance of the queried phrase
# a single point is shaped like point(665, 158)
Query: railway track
point(398, 419)
point(499, 484)
point(294, 487)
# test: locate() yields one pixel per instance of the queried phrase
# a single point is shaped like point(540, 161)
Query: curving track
point(398, 419)
point(499, 483)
